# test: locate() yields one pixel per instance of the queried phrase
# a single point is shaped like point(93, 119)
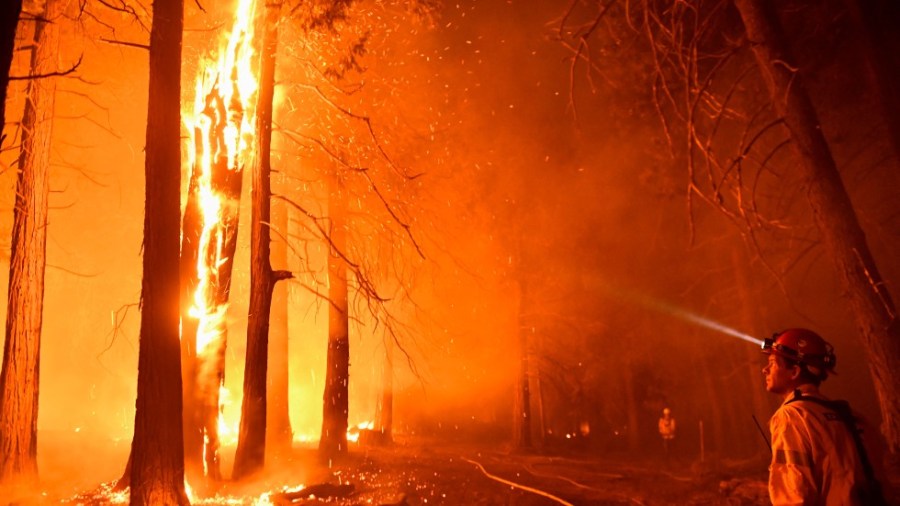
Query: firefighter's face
point(780, 377)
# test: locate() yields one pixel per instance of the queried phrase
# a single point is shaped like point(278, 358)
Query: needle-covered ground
point(416, 471)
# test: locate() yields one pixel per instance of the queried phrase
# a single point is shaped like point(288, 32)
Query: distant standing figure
point(818, 453)
point(667, 429)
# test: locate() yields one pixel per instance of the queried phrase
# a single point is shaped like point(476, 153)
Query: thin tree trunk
point(386, 406)
point(279, 435)
point(869, 299)
point(754, 379)
point(335, 410)
point(251, 449)
point(19, 378)
point(631, 407)
point(540, 428)
point(522, 425)
point(9, 19)
point(157, 451)
point(714, 407)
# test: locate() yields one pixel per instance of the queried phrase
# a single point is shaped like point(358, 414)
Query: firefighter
point(667, 429)
point(818, 455)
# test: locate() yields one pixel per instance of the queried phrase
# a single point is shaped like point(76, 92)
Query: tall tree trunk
point(251, 449)
point(279, 435)
point(210, 242)
point(9, 19)
point(833, 212)
point(157, 450)
point(19, 377)
point(335, 410)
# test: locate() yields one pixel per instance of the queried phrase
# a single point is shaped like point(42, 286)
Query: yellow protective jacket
point(815, 460)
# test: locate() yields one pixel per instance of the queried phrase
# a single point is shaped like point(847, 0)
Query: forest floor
point(418, 472)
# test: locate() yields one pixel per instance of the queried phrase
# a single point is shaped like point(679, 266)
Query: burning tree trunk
point(19, 383)
point(333, 440)
point(835, 217)
point(157, 451)
point(191, 227)
point(251, 449)
point(9, 18)
point(223, 128)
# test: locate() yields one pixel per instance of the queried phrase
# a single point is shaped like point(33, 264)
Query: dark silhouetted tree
point(157, 450)
point(335, 409)
point(9, 19)
point(251, 449)
point(834, 215)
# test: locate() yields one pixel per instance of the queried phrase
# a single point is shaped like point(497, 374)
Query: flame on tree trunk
point(19, 378)
point(250, 455)
point(223, 132)
point(835, 218)
point(333, 440)
point(190, 238)
point(157, 451)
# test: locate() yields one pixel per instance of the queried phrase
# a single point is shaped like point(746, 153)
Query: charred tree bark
point(9, 19)
point(19, 377)
point(833, 212)
point(157, 450)
point(335, 410)
point(251, 449)
point(211, 242)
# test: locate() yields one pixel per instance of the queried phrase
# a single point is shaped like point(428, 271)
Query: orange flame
point(223, 129)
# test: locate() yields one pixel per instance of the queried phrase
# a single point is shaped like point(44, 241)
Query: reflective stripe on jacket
point(667, 428)
point(814, 456)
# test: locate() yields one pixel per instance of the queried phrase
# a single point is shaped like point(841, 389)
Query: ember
point(413, 252)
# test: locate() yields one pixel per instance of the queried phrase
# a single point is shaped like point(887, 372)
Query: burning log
point(319, 491)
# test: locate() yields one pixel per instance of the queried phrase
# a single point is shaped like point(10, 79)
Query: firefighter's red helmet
point(805, 347)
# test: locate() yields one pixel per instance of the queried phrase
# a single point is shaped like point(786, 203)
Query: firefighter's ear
point(796, 370)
